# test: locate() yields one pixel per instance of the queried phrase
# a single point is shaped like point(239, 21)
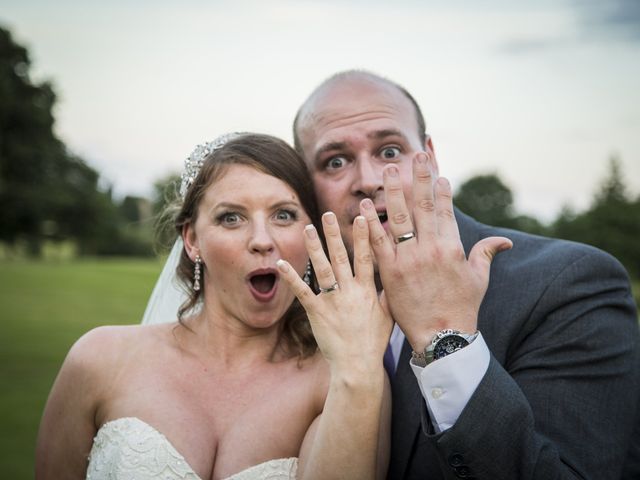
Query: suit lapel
point(406, 406)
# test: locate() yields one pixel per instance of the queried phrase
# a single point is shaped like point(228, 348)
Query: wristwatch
point(444, 343)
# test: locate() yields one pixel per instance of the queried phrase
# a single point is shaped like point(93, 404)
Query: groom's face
point(348, 132)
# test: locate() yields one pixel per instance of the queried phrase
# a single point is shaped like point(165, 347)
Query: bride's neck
point(230, 344)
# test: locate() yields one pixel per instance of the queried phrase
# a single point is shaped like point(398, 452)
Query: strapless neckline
point(128, 447)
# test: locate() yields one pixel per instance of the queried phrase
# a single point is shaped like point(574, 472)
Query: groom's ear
point(190, 240)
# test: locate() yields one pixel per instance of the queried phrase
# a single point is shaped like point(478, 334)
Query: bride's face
point(246, 221)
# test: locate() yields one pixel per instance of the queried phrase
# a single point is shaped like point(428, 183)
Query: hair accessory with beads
point(193, 163)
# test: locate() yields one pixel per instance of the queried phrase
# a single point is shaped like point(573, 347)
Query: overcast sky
point(542, 92)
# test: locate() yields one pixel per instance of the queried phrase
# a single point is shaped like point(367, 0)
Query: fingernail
point(330, 218)
point(443, 181)
point(421, 158)
point(367, 203)
point(392, 171)
point(311, 231)
point(360, 221)
point(282, 266)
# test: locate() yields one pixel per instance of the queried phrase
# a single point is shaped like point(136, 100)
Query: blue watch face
point(448, 345)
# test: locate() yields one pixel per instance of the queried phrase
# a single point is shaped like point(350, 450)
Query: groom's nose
point(367, 179)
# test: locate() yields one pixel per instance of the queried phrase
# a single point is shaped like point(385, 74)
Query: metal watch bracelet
point(424, 358)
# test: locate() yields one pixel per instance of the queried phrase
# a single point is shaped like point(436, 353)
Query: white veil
point(168, 295)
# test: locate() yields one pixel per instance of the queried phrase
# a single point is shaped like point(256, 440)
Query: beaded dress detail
point(128, 448)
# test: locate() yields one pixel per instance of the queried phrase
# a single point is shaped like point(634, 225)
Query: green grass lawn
point(46, 306)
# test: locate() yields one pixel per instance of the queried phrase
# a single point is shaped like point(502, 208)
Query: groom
point(544, 381)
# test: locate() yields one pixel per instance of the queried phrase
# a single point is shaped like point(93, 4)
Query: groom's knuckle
point(426, 205)
point(446, 214)
point(423, 176)
point(400, 218)
point(378, 240)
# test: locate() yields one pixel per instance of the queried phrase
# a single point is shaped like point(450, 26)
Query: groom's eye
point(335, 163)
point(390, 153)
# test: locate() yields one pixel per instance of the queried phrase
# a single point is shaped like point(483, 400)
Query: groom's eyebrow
point(330, 147)
point(387, 132)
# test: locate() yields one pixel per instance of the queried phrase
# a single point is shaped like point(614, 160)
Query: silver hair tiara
point(193, 163)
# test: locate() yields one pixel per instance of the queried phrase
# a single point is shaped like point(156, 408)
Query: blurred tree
point(612, 223)
point(45, 191)
point(29, 152)
point(487, 199)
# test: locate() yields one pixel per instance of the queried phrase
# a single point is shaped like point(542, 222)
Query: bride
point(235, 386)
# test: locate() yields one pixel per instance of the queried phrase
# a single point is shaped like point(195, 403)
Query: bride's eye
point(286, 216)
point(228, 219)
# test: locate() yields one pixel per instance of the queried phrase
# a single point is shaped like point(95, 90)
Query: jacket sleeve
point(562, 402)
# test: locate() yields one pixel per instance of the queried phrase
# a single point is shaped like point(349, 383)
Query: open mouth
point(263, 283)
point(382, 216)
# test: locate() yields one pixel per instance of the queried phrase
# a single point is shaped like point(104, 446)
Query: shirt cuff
point(447, 384)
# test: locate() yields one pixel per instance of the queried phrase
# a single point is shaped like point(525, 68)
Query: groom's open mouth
point(263, 284)
point(382, 216)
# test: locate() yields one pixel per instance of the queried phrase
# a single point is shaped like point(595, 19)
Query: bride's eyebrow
point(228, 205)
point(287, 203)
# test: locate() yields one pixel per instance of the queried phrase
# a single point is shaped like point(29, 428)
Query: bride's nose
point(261, 240)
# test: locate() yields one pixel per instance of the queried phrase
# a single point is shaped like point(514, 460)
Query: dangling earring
point(307, 274)
point(196, 273)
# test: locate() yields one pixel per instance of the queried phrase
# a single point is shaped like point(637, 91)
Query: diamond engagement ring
point(329, 289)
point(405, 237)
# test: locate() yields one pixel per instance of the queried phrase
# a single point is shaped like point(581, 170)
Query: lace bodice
point(128, 448)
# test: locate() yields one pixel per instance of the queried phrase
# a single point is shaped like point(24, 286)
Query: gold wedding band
point(405, 237)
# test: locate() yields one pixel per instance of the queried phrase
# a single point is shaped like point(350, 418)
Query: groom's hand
point(428, 281)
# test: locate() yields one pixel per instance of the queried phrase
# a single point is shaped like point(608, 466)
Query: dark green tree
point(611, 223)
point(29, 151)
point(487, 199)
point(45, 191)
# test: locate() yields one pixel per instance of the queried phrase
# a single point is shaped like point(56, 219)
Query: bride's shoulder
point(105, 345)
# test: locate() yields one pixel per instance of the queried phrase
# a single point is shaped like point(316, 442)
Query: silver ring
point(405, 237)
point(329, 289)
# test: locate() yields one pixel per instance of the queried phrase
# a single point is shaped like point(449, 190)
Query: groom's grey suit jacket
point(561, 396)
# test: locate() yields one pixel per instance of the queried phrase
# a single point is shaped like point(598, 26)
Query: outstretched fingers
point(339, 266)
point(362, 256)
point(378, 237)
point(300, 289)
point(447, 225)
point(424, 203)
point(399, 217)
point(321, 266)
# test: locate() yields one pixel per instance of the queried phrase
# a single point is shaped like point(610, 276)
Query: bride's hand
point(350, 325)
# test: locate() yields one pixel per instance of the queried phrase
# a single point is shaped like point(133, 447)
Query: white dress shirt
point(447, 384)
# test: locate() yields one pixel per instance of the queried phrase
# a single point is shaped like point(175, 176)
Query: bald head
point(349, 81)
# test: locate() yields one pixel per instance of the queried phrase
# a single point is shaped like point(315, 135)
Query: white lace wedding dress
point(128, 448)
